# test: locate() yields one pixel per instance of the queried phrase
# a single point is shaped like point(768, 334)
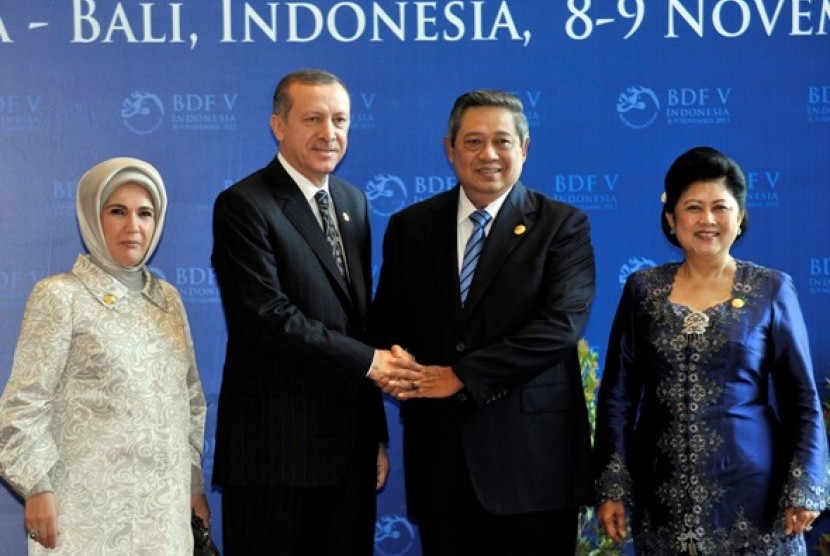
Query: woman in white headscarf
point(102, 420)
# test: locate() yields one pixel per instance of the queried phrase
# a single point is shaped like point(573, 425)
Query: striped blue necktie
point(480, 219)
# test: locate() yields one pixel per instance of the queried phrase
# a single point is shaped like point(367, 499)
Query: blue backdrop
point(614, 91)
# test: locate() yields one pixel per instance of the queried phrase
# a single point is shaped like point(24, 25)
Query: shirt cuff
point(372, 364)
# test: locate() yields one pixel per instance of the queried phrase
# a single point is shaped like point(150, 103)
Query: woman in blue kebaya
point(710, 436)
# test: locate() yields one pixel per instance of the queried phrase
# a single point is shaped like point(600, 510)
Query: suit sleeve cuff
point(372, 364)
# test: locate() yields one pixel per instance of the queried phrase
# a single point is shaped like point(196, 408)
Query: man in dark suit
point(301, 426)
point(496, 433)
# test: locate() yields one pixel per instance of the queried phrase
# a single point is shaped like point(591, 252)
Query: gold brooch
point(109, 299)
point(738, 303)
point(519, 230)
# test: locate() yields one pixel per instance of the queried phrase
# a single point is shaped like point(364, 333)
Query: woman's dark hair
point(702, 164)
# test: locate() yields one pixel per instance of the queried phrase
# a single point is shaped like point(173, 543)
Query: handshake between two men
point(396, 372)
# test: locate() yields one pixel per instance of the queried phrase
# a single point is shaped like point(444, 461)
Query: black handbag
point(203, 545)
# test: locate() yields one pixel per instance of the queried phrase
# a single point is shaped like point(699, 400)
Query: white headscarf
point(95, 187)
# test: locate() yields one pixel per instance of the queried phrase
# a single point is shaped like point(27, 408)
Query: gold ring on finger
point(416, 385)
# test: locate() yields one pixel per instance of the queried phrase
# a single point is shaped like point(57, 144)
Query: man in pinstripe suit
point(301, 426)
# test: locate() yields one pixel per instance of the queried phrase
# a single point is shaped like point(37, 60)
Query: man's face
point(487, 154)
point(313, 135)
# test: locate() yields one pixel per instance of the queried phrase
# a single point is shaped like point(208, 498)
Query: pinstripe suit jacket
point(295, 403)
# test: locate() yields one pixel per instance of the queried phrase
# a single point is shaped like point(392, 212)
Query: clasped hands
point(396, 372)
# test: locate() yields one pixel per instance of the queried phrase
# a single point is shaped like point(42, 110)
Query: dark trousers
point(453, 522)
point(451, 519)
point(333, 521)
point(477, 532)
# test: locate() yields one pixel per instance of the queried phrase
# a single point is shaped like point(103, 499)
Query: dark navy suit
point(518, 432)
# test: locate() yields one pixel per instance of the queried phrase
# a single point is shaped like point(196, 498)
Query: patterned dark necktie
point(480, 219)
point(332, 236)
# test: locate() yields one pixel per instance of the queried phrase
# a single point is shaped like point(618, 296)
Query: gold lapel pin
point(345, 217)
point(519, 230)
point(738, 303)
point(109, 299)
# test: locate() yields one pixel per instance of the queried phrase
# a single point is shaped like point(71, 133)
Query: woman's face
point(706, 219)
point(128, 220)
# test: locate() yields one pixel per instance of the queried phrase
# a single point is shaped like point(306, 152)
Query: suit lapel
point(440, 233)
point(348, 219)
point(296, 210)
point(515, 219)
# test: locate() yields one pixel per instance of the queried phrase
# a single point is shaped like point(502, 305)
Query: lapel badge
point(519, 230)
point(737, 303)
point(109, 299)
point(345, 217)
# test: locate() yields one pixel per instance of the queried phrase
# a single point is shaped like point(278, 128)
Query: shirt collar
point(308, 189)
point(466, 207)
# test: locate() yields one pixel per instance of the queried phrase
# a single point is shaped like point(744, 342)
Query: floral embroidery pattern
point(801, 492)
point(615, 483)
point(690, 388)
